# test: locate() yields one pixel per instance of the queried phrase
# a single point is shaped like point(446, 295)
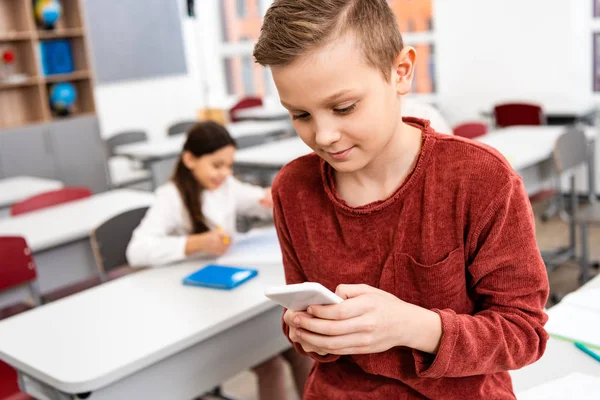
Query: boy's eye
point(301, 116)
point(345, 110)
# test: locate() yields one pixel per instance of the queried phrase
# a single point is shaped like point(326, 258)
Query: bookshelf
point(25, 101)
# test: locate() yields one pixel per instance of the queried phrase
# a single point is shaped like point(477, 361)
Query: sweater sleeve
point(510, 284)
point(293, 270)
point(153, 242)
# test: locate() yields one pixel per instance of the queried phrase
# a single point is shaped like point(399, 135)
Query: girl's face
point(211, 170)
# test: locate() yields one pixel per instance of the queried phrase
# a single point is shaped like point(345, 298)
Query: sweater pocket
point(440, 285)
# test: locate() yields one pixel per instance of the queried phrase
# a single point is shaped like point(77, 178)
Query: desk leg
point(39, 390)
point(592, 172)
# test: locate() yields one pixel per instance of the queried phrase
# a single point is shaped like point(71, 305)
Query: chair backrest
point(181, 127)
point(511, 114)
point(17, 266)
point(471, 130)
point(110, 240)
point(570, 150)
point(49, 199)
point(122, 138)
point(246, 102)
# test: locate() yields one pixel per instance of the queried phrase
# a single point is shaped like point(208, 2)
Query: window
point(242, 10)
point(231, 73)
point(415, 20)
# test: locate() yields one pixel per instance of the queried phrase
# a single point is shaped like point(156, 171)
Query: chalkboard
point(135, 39)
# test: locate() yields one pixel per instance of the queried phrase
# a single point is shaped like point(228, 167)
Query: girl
point(194, 214)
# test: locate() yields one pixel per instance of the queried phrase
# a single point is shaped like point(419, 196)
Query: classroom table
point(58, 236)
point(18, 188)
point(529, 151)
point(560, 359)
point(264, 113)
point(527, 148)
point(562, 113)
point(159, 156)
point(146, 336)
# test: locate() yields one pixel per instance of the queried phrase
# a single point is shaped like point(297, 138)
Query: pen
point(587, 351)
point(226, 238)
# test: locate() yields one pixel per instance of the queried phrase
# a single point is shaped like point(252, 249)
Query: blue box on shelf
point(56, 57)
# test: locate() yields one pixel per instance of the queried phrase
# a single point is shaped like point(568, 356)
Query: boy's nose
point(326, 136)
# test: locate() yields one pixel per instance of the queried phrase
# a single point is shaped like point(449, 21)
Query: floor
point(563, 279)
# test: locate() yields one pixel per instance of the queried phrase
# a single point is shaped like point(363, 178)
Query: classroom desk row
point(159, 156)
point(18, 188)
point(148, 336)
point(58, 236)
point(527, 148)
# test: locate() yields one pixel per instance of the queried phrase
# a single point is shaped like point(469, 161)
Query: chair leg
point(216, 393)
point(584, 262)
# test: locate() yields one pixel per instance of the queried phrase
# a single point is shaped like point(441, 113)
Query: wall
point(153, 104)
point(491, 51)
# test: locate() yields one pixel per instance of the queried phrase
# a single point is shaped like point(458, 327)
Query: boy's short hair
point(292, 28)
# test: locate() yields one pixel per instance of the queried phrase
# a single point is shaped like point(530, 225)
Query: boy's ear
point(404, 68)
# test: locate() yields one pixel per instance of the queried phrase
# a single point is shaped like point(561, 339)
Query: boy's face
point(342, 107)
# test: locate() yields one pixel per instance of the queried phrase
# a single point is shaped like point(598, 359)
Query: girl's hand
point(267, 200)
point(215, 242)
point(368, 321)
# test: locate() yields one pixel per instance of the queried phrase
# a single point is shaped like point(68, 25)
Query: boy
point(429, 238)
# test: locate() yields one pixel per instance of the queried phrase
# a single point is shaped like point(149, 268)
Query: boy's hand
point(368, 321)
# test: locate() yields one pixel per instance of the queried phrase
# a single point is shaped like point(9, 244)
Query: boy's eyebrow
point(328, 101)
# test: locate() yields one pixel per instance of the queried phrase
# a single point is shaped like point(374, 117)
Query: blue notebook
point(220, 277)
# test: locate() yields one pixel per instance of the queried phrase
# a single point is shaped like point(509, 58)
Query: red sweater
point(457, 237)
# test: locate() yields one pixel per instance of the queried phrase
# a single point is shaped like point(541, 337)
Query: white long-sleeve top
point(162, 235)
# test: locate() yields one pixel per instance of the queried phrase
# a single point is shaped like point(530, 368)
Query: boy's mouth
point(341, 154)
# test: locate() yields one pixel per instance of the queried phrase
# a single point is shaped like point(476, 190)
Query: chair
point(180, 128)
point(246, 102)
point(471, 130)
point(109, 242)
point(123, 171)
point(571, 151)
point(18, 269)
point(510, 114)
point(49, 199)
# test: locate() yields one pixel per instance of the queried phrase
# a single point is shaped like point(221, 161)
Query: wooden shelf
point(75, 76)
point(60, 33)
point(15, 36)
point(73, 115)
point(12, 85)
point(27, 102)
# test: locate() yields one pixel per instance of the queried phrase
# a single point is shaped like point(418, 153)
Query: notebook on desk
point(574, 386)
point(577, 318)
point(220, 277)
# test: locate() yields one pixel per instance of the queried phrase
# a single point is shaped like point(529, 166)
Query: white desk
point(160, 155)
point(145, 336)
point(272, 112)
point(560, 359)
point(523, 146)
point(527, 148)
point(272, 155)
point(13, 190)
point(58, 236)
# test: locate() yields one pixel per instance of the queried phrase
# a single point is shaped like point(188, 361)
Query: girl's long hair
point(203, 138)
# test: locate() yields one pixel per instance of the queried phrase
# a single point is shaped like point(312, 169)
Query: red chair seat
point(49, 199)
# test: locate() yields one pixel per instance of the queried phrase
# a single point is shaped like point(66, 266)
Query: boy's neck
point(382, 177)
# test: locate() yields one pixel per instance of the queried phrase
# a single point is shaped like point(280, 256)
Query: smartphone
point(300, 296)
